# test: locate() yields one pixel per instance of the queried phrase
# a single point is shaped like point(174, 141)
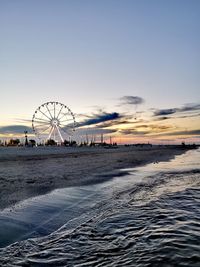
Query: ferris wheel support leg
point(54, 133)
point(50, 132)
point(59, 133)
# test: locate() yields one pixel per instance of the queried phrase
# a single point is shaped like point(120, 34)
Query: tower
point(26, 138)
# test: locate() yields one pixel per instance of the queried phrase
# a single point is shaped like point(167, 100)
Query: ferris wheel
point(53, 120)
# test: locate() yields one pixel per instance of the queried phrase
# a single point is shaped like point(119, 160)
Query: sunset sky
point(126, 68)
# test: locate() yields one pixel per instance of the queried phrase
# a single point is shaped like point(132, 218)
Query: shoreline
point(23, 176)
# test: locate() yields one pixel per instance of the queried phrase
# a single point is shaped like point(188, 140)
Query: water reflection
point(148, 218)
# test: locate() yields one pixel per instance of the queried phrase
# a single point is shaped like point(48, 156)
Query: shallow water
point(149, 217)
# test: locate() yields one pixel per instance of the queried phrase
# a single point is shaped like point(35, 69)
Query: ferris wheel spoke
point(66, 126)
point(64, 114)
point(44, 130)
point(48, 110)
point(59, 112)
point(66, 131)
point(69, 122)
point(45, 120)
point(40, 128)
point(54, 110)
point(66, 120)
point(44, 114)
point(41, 123)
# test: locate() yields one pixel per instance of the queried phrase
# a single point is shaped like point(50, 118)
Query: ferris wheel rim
point(58, 122)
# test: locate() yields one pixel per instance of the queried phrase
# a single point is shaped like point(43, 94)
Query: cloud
point(161, 118)
point(190, 107)
point(155, 127)
point(114, 123)
point(190, 132)
point(132, 132)
point(131, 100)
point(186, 108)
point(189, 116)
point(15, 129)
point(193, 133)
point(145, 129)
point(18, 120)
point(163, 112)
point(99, 118)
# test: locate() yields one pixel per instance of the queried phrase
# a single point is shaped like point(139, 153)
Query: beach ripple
point(152, 224)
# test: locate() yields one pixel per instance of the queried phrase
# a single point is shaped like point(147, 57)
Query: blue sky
point(91, 53)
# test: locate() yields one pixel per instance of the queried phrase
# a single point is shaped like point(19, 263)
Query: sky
point(127, 69)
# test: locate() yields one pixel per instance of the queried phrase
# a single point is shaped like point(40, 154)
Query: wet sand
point(28, 172)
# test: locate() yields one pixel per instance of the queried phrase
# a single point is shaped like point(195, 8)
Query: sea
point(145, 216)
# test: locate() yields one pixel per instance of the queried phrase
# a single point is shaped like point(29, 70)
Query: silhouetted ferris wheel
point(54, 121)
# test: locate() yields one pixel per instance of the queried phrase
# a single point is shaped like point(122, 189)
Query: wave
point(152, 222)
point(155, 223)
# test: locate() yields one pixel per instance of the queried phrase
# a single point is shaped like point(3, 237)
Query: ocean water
point(146, 216)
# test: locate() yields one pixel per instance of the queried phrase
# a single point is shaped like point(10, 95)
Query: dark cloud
point(114, 123)
point(142, 126)
point(163, 112)
point(160, 127)
point(131, 100)
point(15, 129)
point(154, 127)
point(99, 118)
point(186, 108)
point(123, 119)
point(190, 107)
point(133, 131)
point(150, 129)
point(194, 133)
point(161, 118)
point(190, 132)
point(189, 116)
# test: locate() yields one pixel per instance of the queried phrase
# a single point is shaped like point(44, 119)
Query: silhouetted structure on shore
point(26, 138)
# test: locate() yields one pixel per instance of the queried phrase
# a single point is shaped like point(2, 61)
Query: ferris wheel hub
point(54, 122)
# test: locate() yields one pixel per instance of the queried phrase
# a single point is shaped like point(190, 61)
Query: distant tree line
point(16, 142)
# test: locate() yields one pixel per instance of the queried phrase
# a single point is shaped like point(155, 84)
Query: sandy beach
point(28, 172)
